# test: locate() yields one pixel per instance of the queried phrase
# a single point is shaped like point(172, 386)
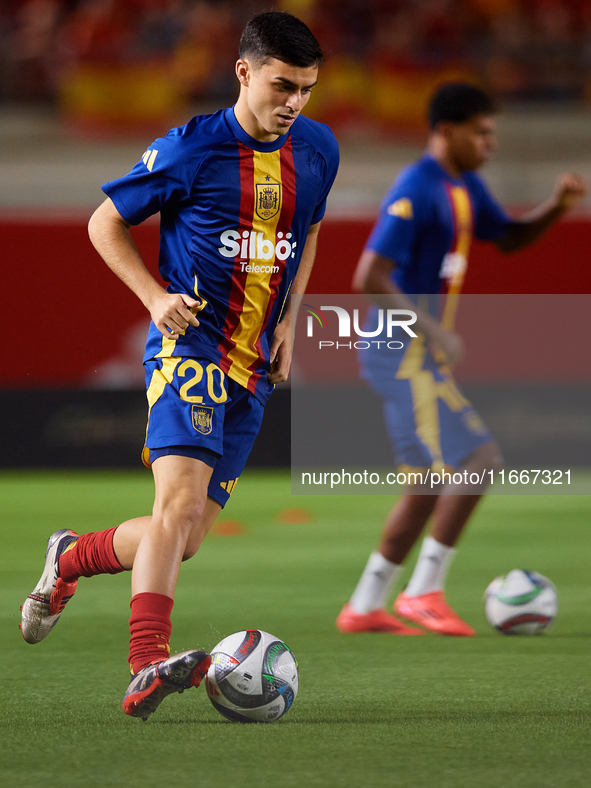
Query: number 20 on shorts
point(192, 370)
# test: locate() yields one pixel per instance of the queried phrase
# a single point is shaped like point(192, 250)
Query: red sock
point(91, 554)
point(150, 629)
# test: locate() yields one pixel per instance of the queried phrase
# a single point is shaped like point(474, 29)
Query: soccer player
point(420, 245)
point(241, 194)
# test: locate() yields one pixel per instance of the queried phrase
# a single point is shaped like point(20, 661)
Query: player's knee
point(183, 513)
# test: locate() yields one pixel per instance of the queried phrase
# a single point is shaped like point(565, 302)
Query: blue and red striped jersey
point(426, 224)
point(234, 218)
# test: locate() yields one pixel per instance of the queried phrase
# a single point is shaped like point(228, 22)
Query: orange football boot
point(379, 620)
point(432, 612)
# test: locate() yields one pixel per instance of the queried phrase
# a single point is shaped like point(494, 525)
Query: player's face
point(471, 144)
point(272, 96)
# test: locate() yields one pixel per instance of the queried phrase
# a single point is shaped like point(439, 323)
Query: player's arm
point(568, 191)
point(373, 277)
point(281, 347)
point(110, 236)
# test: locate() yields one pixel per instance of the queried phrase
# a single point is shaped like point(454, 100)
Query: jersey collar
point(250, 142)
point(458, 181)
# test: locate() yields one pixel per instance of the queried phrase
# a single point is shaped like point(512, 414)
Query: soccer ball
point(522, 603)
point(253, 677)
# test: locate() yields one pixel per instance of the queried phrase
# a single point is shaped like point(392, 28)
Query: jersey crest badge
point(401, 208)
point(453, 267)
point(202, 419)
point(268, 200)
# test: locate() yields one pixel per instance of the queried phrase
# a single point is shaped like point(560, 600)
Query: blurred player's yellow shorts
point(429, 421)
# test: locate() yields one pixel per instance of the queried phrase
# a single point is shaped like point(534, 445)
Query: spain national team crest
point(268, 197)
point(202, 419)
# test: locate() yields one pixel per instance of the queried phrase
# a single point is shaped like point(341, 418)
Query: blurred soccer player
point(241, 194)
point(420, 245)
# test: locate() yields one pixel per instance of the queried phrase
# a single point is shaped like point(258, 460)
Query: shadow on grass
point(191, 722)
point(575, 717)
point(467, 718)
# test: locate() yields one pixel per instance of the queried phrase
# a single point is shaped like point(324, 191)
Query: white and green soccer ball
point(253, 677)
point(522, 603)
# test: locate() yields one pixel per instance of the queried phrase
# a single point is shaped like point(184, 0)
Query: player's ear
point(444, 128)
point(243, 70)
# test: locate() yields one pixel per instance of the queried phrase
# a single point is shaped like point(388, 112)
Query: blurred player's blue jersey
point(235, 215)
point(426, 225)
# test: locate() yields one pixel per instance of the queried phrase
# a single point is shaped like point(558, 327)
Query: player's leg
point(125, 540)
point(179, 508)
point(457, 501)
point(430, 424)
point(365, 611)
point(366, 608)
point(70, 556)
point(242, 420)
point(198, 534)
point(150, 685)
point(404, 524)
point(423, 600)
point(181, 494)
point(41, 610)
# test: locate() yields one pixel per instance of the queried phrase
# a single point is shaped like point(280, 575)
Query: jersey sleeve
point(332, 166)
point(397, 230)
point(162, 177)
point(490, 220)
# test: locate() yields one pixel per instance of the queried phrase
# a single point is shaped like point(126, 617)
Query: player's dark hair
point(458, 102)
point(279, 35)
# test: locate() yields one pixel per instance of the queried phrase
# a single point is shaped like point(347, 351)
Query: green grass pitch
point(373, 710)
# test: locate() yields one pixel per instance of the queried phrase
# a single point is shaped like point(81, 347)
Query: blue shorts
point(197, 411)
point(429, 421)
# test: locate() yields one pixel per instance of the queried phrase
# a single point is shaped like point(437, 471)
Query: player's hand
point(172, 313)
point(448, 346)
point(569, 190)
point(280, 353)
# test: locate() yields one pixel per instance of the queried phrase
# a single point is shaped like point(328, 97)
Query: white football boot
point(43, 607)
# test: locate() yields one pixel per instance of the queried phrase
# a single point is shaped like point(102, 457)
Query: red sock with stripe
point(150, 629)
point(91, 554)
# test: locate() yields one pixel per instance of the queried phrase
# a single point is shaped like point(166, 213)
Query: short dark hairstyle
point(458, 102)
point(279, 35)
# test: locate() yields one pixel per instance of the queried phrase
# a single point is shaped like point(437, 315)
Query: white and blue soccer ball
point(253, 677)
point(521, 603)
